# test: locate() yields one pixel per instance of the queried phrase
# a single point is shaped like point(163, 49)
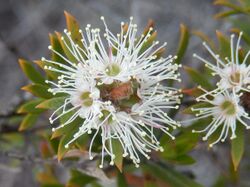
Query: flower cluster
point(227, 103)
point(115, 84)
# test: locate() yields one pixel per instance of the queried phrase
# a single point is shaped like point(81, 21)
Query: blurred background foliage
point(27, 152)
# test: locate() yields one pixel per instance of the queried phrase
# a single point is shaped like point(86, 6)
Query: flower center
point(122, 95)
point(235, 77)
point(86, 99)
point(113, 70)
point(228, 107)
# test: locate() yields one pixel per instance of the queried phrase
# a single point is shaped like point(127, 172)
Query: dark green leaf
point(198, 78)
point(31, 72)
point(38, 90)
point(28, 121)
point(30, 107)
point(52, 103)
point(121, 181)
point(118, 151)
point(237, 147)
point(169, 176)
point(224, 45)
point(183, 43)
point(79, 179)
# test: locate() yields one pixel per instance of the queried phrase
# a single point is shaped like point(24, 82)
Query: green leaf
point(226, 14)
point(240, 26)
point(61, 148)
point(150, 24)
point(224, 43)
point(148, 43)
point(64, 140)
point(28, 121)
point(67, 128)
point(52, 103)
point(121, 181)
point(38, 90)
point(169, 176)
point(30, 107)
point(11, 141)
point(54, 144)
point(67, 52)
point(51, 74)
point(221, 181)
point(185, 142)
point(118, 152)
point(82, 142)
point(182, 160)
point(56, 45)
point(73, 27)
point(198, 78)
point(205, 38)
point(195, 106)
point(230, 5)
point(237, 147)
point(31, 72)
point(183, 43)
point(79, 179)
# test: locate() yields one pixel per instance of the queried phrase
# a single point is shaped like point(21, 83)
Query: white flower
point(233, 73)
point(116, 89)
point(83, 98)
point(226, 112)
point(130, 58)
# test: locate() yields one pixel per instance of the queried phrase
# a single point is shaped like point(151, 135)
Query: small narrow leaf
point(182, 160)
point(38, 90)
point(61, 148)
point(183, 43)
point(237, 147)
point(30, 107)
point(79, 179)
point(224, 44)
point(56, 45)
point(118, 151)
point(169, 176)
point(148, 43)
point(198, 78)
point(64, 140)
point(64, 43)
point(52, 103)
point(121, 180)
point(64, 130)
point(31, 72)
point(28, 121)
point(226, 14)
point(230, 5)
point(53, 75)
point(150, 24)
point(189, 110)
point(205, 38)
point(73, 27)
